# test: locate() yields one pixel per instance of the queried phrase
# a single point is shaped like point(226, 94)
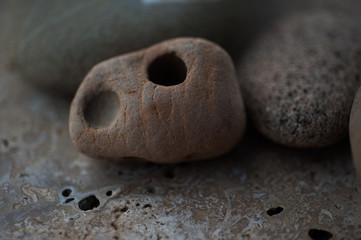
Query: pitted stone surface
point(299, 79)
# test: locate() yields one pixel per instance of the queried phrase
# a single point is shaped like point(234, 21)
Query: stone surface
point(176, 101)
point(299, 79)
point(60, 41)
point(355, 132)
point(224, 198)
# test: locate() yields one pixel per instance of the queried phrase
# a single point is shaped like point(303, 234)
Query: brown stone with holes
point(175, 101)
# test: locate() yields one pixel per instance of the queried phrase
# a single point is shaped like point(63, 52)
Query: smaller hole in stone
point(89, 203)
point(109, 193)
point(137, 204)
point(169, 173)
point(147, 205)
point(69, 200)
point(101, 110)
point(317, 234)
point(274, 211)
point(66, 192)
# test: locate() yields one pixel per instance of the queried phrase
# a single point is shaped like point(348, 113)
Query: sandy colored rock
point(61, 41)
point(355, 132)
point(299, 79)
point(176, 101)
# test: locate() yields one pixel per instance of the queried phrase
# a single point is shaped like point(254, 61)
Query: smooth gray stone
point(61, 40)
point(355, 133)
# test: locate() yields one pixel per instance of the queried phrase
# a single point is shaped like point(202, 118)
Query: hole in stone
point(317, 234)
point(66, 192)
point(109, 193)
point(69, 200)
point(89, 203)
point(167, 70)
point(101, 110)
point(147, 206)
point(274, 211)
point(169, 173)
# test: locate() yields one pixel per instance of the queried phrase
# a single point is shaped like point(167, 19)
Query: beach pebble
point(355, 132)
point(61, 40)
point(176, 101)
point(299, 79)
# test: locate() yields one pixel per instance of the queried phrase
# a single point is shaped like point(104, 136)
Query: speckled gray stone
point(299, 79)
point(61, 41)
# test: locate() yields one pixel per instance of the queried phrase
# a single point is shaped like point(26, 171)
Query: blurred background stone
point(60, 41)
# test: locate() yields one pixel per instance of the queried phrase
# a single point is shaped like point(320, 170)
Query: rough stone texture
point(355, 132)
point(225, 198)
point(300, 77)
point(61, 41)
point(175, 101)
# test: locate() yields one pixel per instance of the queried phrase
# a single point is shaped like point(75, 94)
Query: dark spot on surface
point(149, 165)
point(137, 204)
point(69, 200)
point(150, 189)
point(183, 164)
point(101, 109)
point(5, 143)
point(147, 205)
point(317, 234)
point(274, 211)
point(169, 173)
point(66, 192)
point(114, 226)
point(167, 70)
point(124, 209)
point(89, 203)
point(24, 175)
point(109, 193)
